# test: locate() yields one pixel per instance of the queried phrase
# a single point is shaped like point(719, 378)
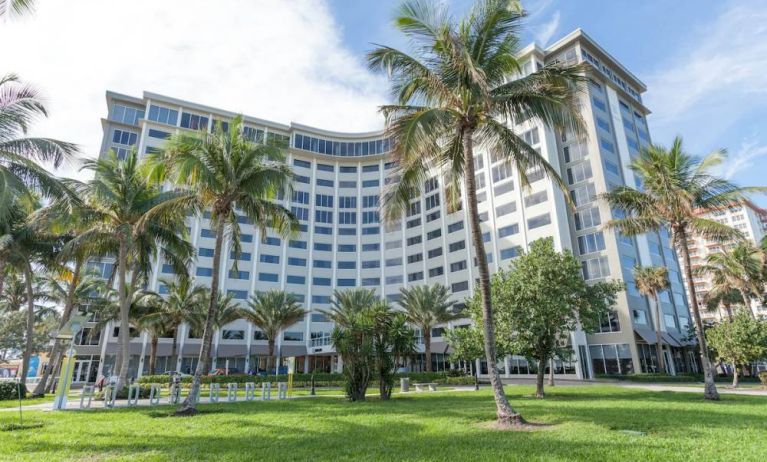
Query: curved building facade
point(343, 243)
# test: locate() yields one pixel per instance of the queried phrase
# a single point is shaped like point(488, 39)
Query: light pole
point(68, 332)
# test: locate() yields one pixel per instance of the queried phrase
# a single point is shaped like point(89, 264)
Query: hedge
point(10, 390)
point(648, 378)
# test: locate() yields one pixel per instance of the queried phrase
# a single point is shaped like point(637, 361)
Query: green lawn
point(588, 423)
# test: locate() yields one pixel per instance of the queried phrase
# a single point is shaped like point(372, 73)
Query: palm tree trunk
point(728, 310)
point(174, 348)
point(506, 415)
point(30, 323)
point(747, 303)
point(658, 344)
point(122, 295)
point(153, 355)
point(539, 378)
point(208, 359)
point(188, 406)
point(427, 347)
point(57, 347)
point(708, 368)
point(551, 372)
point(270, 359)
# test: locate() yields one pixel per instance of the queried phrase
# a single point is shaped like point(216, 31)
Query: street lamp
point(68, 332)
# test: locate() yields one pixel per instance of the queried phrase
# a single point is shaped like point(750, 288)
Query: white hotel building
point(342, 245)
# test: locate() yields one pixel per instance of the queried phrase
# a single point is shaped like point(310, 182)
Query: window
point(537, 222)
point(458, 266)
point(370, 168)
point(590, 243)
point(505, 209)
point(127, 115)
point(324, 182)
point(437, 271)
point(269, 258)
point(207, 272)
point(369, 264)
point(501, 172)
point(347, 202)
point(320, 298)
point(430, 185)
point(295, 261)
point(302, 179)
point(415, 258)
point(158, 134)
point(603, 124)
point(268, 277)
point(413, 223)
point(394, 279)
point(301, 213)
point(610, 322)
point(460, 286)
point(587, 219)
point(370, 201)
point(535, 199)
point(347, 265)
point(238, 294)
point(320, 281)
point(323, 200)
point(504, 188)
point(599, 103)
point(583, 194)
point(370, 217)
point(432, 201)
point(323, 246)
point(205, 252)
point(414, 240)
point(347, 184)
point(346, 282)
point(194, 121)
point(595, 268)
point(374, 247)
point(458, 245)
point(163, 115)
point(302, 197)
point(272, 241)
point(371, 230)
point(347, 218)
point(322, 263)
point(370, 183)
point(204, 232)
point(433, 234)
point(393, 262)
point(323, 216)
point(611, 167)
point(453, 227)
point(293, 336)
point(434, 252)
point(124, 137)
point(606, 145)
point(509, 230)
point(293, 244)
point(578, 173)
point(417, 276)
point(325, 168)
point(510, 252)
point(366, 282)
point(291, 279)
point(433, 216)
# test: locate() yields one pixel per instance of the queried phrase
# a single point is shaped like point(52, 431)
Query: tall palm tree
point(272, 312)
point(650, 281)
point(722, 295)
point(25, 247)
point(182, 304)
point(226, 172)
point(15, 7)
point(72, 288)
point(227, 310)
point(457, 90)
point(20, 173)
point(425, 307)
point(676, 185)
point(143, 220)
point(741, 268)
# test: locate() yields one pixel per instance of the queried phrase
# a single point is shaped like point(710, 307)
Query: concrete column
point(182, 333)
point(144, 338)
point(216, 339)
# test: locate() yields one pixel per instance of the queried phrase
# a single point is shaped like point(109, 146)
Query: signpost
point(68, 332)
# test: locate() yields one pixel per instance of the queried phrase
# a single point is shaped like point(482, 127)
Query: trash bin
point(404, 384)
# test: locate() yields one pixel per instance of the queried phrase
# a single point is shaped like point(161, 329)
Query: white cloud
point(277, 60)
point(724, 65)
point(746, 157)
point(548, 29)
point(542, 25)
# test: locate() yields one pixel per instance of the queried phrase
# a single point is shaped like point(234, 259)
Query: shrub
point(299, 380)
point(763, 378)
point(123, 394)
point(10, 390)
point(460, 380)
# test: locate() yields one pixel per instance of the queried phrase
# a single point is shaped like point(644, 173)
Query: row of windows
point(340, 148)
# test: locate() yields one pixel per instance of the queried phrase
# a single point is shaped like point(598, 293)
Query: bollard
point(282, 390)
point(231, 392)
point(154, 394)
point(266, 391)
point(250, 391)
point(110, 396)
point(87, 393)
point(175, 394)
point(134, 392)
point(215, 390)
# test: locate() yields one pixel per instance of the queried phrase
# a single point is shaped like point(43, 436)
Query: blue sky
point(704, 62)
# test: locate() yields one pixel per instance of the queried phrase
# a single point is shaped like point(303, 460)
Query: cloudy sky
point(303, 61)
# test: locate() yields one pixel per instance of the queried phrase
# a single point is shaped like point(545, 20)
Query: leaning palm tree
point(675, 186)
point(427, 306)
point(650, 281)
point(741, 268)
point(457, 90)
point(20, 173)
point(272, 312)
point(183, 302)
point(722, 295)
point(226, 172)
point(143, 221)
point(227, 310)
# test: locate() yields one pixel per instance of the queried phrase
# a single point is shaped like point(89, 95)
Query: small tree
point(650, 281)
point(739, 342)
point(391, 337)
point(272, 312)
point(542, 298)
point(425, 307)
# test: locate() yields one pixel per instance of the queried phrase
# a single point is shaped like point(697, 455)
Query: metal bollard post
point(175, 394)
point(231, 392)
point(87, 393)
point(110, 395)
point(282, 390)
point(134, 392)
point(154, 394)
point(266, 391)
point(250, 391)
point(215, 390)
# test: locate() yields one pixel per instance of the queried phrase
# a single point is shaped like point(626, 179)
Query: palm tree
point(227, 310)
point(15, 7)
point(457, 89)
point(392, 338)
point(143, 220)
point(676, 185)
point(650, 281)
point(20, 174)
point(226, 172)
point(741, 269)
point(24, 246)
point(272, 312)
point(182, 304)
point(427, 306)
point(722, 295)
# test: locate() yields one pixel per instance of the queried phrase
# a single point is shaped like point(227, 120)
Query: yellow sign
point(65, 380)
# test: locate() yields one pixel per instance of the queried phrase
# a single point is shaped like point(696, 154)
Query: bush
point(10, 390)
point(299, 380)
point(646, 378)
point(763, 378)
point(461, 380)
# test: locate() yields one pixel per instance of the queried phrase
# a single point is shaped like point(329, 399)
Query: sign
point(34, 364)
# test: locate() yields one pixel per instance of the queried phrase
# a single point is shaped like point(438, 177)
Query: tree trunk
point(539, 378)
point(551, 372)
point(122, 294)
point(153, 356)
point(708, 369)
point(735, 376)
point(187, 407)
point(728, 310)
point(427, 347)
point(57, 347)
point(3, 274)
point(506, 415)
point(270, 359)
point(747, 303)
point(658, 341)
point(174, 349)
point(208, 359)
point(30, 323)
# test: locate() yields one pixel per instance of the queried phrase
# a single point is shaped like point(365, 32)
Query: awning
point(648, 335)
point(232, 351)
point(670, 340)
point(292, 350)
point(441, 347)
point(134, 348)
point(683, 340)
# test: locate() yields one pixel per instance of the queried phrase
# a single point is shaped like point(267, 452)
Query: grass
point(29, 401)
point(602, 423)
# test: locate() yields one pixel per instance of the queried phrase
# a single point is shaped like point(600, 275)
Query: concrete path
point(694, 389)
